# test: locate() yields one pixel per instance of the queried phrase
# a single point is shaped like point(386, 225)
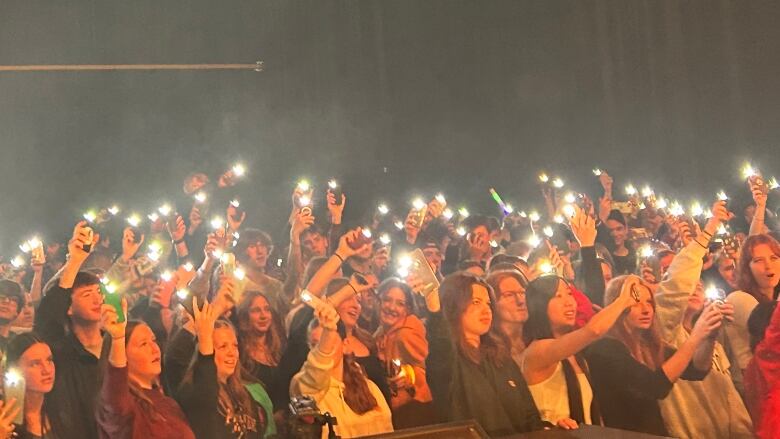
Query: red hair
point(745, 280)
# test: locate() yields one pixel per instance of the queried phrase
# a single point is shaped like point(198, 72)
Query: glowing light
point(722, 230)
point(306, 297)
point(13, 377)
point(113, 210)
point(366, 233)
point(646, 251)
point(722, 196)
point(534, 216)
point(748, 171)
point(304, 200)
point(546, 267)
point(461, 231)
point(201, 197)
point(440, 198)
point(188, 266)
point(153, 256)
point(404, 264)
point(304, 186)
point(773, 184)
point(557, 183)
point(493, 243)
point(166, 276)
point(17, 262)
point(383, 209)
point(134, 220)
point(630, 190)
point(235, 203)
point(570, 198)
point(714, 293)
point(399, 225)
point(676, 209)
point(558, 219)
point(544, 178)
point(183, 293)
point(111, 288)
point(217, 254)
point(239, 273)
point(239, 170)
point(153, 217)
point(448, 214)
point(696, 209)
point(647, 192)
point(90, 216)
point(523, 214)
point(534, 241)
point(463, 212)
point(333, 184)
point(569, 210)
point(385, 239)
point(508, 209)
point(418, 203)
point(597, 172)
point(165, 209)
point(548, 231)
point(661, 203)
point(31, 244)
point(217, 223)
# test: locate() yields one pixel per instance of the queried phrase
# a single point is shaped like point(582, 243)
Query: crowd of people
point(632, 314)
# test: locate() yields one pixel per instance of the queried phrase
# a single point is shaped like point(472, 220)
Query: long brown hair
point(455, 293)
point(745, 280)
point(234, 389)
point(275, 340)
point(648, 347)
point(135, 390)
point(357, 394)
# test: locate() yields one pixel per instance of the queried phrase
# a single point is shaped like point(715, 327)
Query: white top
point(314, 380)
point(737, 335)
point(552, 399)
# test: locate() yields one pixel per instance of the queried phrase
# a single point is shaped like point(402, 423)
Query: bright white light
point(383, 209)
point(440, 198)
point(165, 209)
point(217, 254)
point(534, 216)
point(239, 170)
point(773, 184)
point(544, 178)
point(304, 200)
point(333, 184)
point(647, 192)
point(90, 216)
point(548, 231)
point(12, 377)
point(17, 262)
point(461, 231)
point(713, 293)
point(399, 225)
point(183, 294)
point(385, 239)
point(557, 183)
point(239, 273)
point(134, 220)
point(235, 203)
point(111, 288)
point(696, 209)
point(523, 214)
point(188, 266)
point(676, 209)
point(597, 172)
point(366, 233)
point(448, 214)
point(153, 217)
point(418, 203)
point(722, 196)
point(463, 212)
point(217, 223)
point(570, 198)
point(630, 190)
point(748, 171)
point(546, 267)
point(534, 241)
point(201, 197)
point(661, 203)
point(113, 210)
point(558, 219)
point(153, 256)
point(166, 276)
point(646, 251)
point(508, 209)
point(722, 230)
point(304, 186)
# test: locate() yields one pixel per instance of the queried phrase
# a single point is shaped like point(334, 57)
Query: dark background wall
point(393, 97)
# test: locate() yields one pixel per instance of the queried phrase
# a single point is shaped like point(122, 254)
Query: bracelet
point(117, 338)
point(353, 288)
point(707, 233)
point(178, 241)
point(338, 256)
point(702, 245)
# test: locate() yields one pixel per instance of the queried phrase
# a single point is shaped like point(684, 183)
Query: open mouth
point(570, 314)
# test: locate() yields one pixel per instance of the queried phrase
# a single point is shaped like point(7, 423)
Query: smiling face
point(640, 314)
point(511, 306)
point(617, 231)
point(562, 309)
point(477, 316)
point(143, 355)
point(86, 304)
point(765, 266)
point(37, 367)
point(394, 307)
point(349, 311)
point(226, 354)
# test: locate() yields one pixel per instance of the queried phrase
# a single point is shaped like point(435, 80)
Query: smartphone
point(228, 263)
point(14, 388)
point(364, 237)
point(422, 269)
point(115, 300)
point(758, 181)
point(624, 207)
point(239, 211)
point(419, 216)
point(137, 234)
point(88, 247)
point(310, 299)
point(335, 188)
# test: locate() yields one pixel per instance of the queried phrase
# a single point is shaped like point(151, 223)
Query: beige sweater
point(315, 380)
point(710, 408)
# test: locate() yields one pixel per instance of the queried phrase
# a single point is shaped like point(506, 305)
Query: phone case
point(16, 390)
point(115, 300)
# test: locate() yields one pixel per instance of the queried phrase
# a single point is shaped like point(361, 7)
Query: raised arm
point(319, 281)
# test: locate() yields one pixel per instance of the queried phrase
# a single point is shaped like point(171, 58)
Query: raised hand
point(82, 235)
point(301, 221)
point(8, 413)
point(233, 219)
point(204, 319)
point(709, 323)
point(129, 245)
point(336, 209)
point(177, 229)
point(345, 249)
point(195, 220)
point(583, 226)
point(109, 320)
